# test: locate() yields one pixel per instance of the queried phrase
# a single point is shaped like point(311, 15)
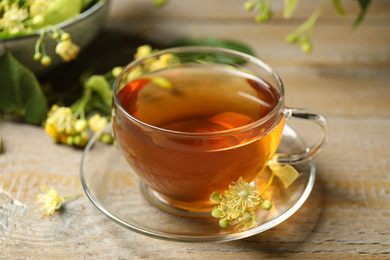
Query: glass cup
point(191, 120)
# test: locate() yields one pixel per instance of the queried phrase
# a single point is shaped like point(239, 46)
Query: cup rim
point(188, 49)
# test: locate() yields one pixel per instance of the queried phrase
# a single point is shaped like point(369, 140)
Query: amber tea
point(211, 126)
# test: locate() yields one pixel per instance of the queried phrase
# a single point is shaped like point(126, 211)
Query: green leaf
point(87, 3)
point(214, 42)
point(7, 35)
point(364, 7)
point(338, 8)
point(61, 11)
point(289, 8)
point(21, 94)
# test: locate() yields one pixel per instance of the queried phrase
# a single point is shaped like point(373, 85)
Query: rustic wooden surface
point(346, 77)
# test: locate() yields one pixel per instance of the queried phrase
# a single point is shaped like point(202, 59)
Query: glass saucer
point(114, 189)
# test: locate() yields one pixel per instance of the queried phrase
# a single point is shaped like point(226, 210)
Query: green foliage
point(21, 94)
point(363, 10)
point(338, 8)
point(214, 42)
point(61, 11)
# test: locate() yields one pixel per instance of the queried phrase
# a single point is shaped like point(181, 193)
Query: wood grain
point(346, 78)
point(346, 215)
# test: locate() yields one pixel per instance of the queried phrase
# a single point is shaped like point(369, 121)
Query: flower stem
point(79, 106)
point(72, 196)
point(310, 22)
point(39, 41)
point(271, 179)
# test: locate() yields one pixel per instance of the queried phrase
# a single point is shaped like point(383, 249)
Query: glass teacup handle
point(309, 152)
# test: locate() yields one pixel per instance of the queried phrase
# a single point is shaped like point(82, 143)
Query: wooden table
point(346, 77)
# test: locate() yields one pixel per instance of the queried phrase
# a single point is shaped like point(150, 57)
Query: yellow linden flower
point(61, 119)
point(67, 50)
point(247, 221)
point(97, 123)
point(13, 17)
point(51, 130)
point(239, 205)
point(242, 195)
point(50, 201)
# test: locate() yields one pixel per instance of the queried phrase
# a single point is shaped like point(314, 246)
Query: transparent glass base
point(117, 192)
point(176, 207)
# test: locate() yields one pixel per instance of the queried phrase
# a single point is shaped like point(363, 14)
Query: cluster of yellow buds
point(153, 64)
point(65, 48)
point(263, 8)
point(97, 123)
point(64, 128)
point(239, 205)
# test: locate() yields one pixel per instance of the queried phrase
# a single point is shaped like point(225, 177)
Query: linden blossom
point(51, 201)
point(238, 206)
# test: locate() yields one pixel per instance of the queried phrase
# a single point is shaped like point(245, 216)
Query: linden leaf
point(214, 42)
point(363, 10)
point(338, 8)
point(287, 174)
point(21, 94)
point(61, 11)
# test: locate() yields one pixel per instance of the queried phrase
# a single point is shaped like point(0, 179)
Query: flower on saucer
point(239, 205)
point(242, 195)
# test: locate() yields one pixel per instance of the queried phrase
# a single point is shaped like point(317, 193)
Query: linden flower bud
point(267, 205)
point(77, 140)
point(67, 50)
point(291, 38)
point(55, 35)
point(46, 60)
point(96, 123)
point(142, 51)
point(80, 125)
point(224, 222)
point(38, 19)
point(248, 5)
point(70, 140)
point(215, 197)
point(37, 56)
point(116, 71)
point(306, 47)
point(107, 138)
point(216, 213)
point(65, 37)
